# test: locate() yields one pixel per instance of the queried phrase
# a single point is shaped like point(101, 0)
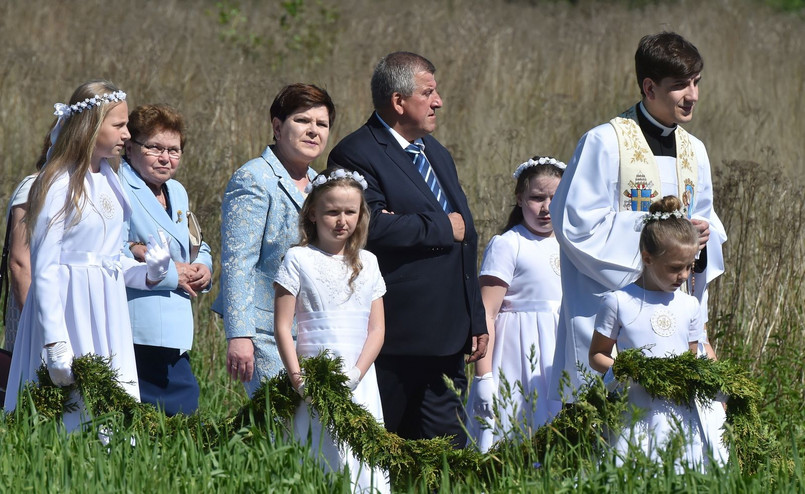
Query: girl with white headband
point(76, 304)
point(334, 290)
point(654, 315)
point(521, 291)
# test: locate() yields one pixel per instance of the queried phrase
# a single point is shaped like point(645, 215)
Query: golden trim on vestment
point(639, 174)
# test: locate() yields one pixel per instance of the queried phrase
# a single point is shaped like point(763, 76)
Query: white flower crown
point(545, 160)
point(658, 216)
point(65, 111)
point(340, 173)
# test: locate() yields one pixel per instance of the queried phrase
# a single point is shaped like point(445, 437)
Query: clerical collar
point(664, 131)
point(660, 142)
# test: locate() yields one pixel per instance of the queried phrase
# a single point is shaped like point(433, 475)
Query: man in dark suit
point(422, 234)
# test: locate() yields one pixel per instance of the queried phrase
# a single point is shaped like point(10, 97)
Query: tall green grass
point(517, 79)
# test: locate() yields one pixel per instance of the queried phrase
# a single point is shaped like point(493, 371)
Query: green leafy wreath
point(682, 379)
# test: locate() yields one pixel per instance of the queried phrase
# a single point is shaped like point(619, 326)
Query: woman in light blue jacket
point(259, 221)
point(162, 318)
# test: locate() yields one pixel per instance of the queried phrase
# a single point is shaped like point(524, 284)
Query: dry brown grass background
point(517, 78)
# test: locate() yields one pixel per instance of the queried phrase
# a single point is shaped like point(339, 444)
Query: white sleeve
point(703, 209)
point(696, 330)
point(500, 258)
point(373, 269)
point(601, 241)
point(20, 195)
point(135, 273)
point(606, 321)
point(46, 270)
point(288, 275)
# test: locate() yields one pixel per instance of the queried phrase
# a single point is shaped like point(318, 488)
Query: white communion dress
point(525, 334)
point(78, 286)
point(331, 317)
point(661, 324)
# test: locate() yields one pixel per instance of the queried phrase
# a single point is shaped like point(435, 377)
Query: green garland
point(685, 378)
point(682, 379)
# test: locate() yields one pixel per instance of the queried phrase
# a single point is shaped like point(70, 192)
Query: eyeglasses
point(157, 150)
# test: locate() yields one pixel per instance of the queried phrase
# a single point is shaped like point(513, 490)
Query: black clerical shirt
point(660, 145)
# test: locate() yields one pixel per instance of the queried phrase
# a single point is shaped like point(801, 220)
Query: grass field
point(518, 78)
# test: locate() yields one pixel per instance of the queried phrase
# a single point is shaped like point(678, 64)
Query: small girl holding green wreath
point(654, 315)
point(335, 291)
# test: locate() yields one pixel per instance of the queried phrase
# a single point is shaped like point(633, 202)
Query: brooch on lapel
point(179, 216)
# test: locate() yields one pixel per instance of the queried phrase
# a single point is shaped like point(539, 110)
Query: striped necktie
point(417, 153)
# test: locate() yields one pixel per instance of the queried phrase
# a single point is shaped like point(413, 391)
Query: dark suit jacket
point(433, 302)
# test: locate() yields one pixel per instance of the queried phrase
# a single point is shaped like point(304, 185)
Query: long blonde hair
point(72, 153)
point(308, 234)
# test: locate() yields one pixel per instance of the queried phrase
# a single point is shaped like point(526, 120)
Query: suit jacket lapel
point(284, 180)
point(151, 205)
point(401, 158)
point(174, 228)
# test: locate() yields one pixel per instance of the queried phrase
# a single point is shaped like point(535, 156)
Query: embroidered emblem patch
point(640, 193)
point(663, 322)
point(107, 206)
point(687, 197)
point(554, 261)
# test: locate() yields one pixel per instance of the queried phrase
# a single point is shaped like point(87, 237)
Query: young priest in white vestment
point(617, 170)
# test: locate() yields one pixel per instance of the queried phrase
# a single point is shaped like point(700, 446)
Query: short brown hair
point(147, 120)
point(666, 54)
point(298, 96)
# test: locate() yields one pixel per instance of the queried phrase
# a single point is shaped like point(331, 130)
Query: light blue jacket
point(259, 223)
point(162, 316)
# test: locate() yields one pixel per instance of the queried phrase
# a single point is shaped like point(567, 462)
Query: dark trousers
point(417, 404)
point(166, 380)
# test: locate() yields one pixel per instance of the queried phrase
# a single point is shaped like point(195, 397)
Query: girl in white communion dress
point(521, 291)
point(335, 290)
point(76, 304)
point(653, 314)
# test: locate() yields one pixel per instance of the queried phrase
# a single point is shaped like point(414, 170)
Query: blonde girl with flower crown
point(334, 289)
point(653, 314)
point(521, 291)
point(76, 303)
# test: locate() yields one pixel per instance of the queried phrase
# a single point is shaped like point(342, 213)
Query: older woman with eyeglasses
point(162, 318)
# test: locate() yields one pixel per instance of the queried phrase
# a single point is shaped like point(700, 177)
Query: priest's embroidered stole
point(639, 173)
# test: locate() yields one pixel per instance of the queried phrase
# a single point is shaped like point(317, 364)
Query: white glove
point(353, 378)
point(59, 363)
point(484, 389)
point(157, 258)
point(612, 384)
point(300, 390)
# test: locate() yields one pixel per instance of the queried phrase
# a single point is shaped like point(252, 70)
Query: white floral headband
point(545, 160)
point(659, 216)
point(336, 175)
point(65, 111)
